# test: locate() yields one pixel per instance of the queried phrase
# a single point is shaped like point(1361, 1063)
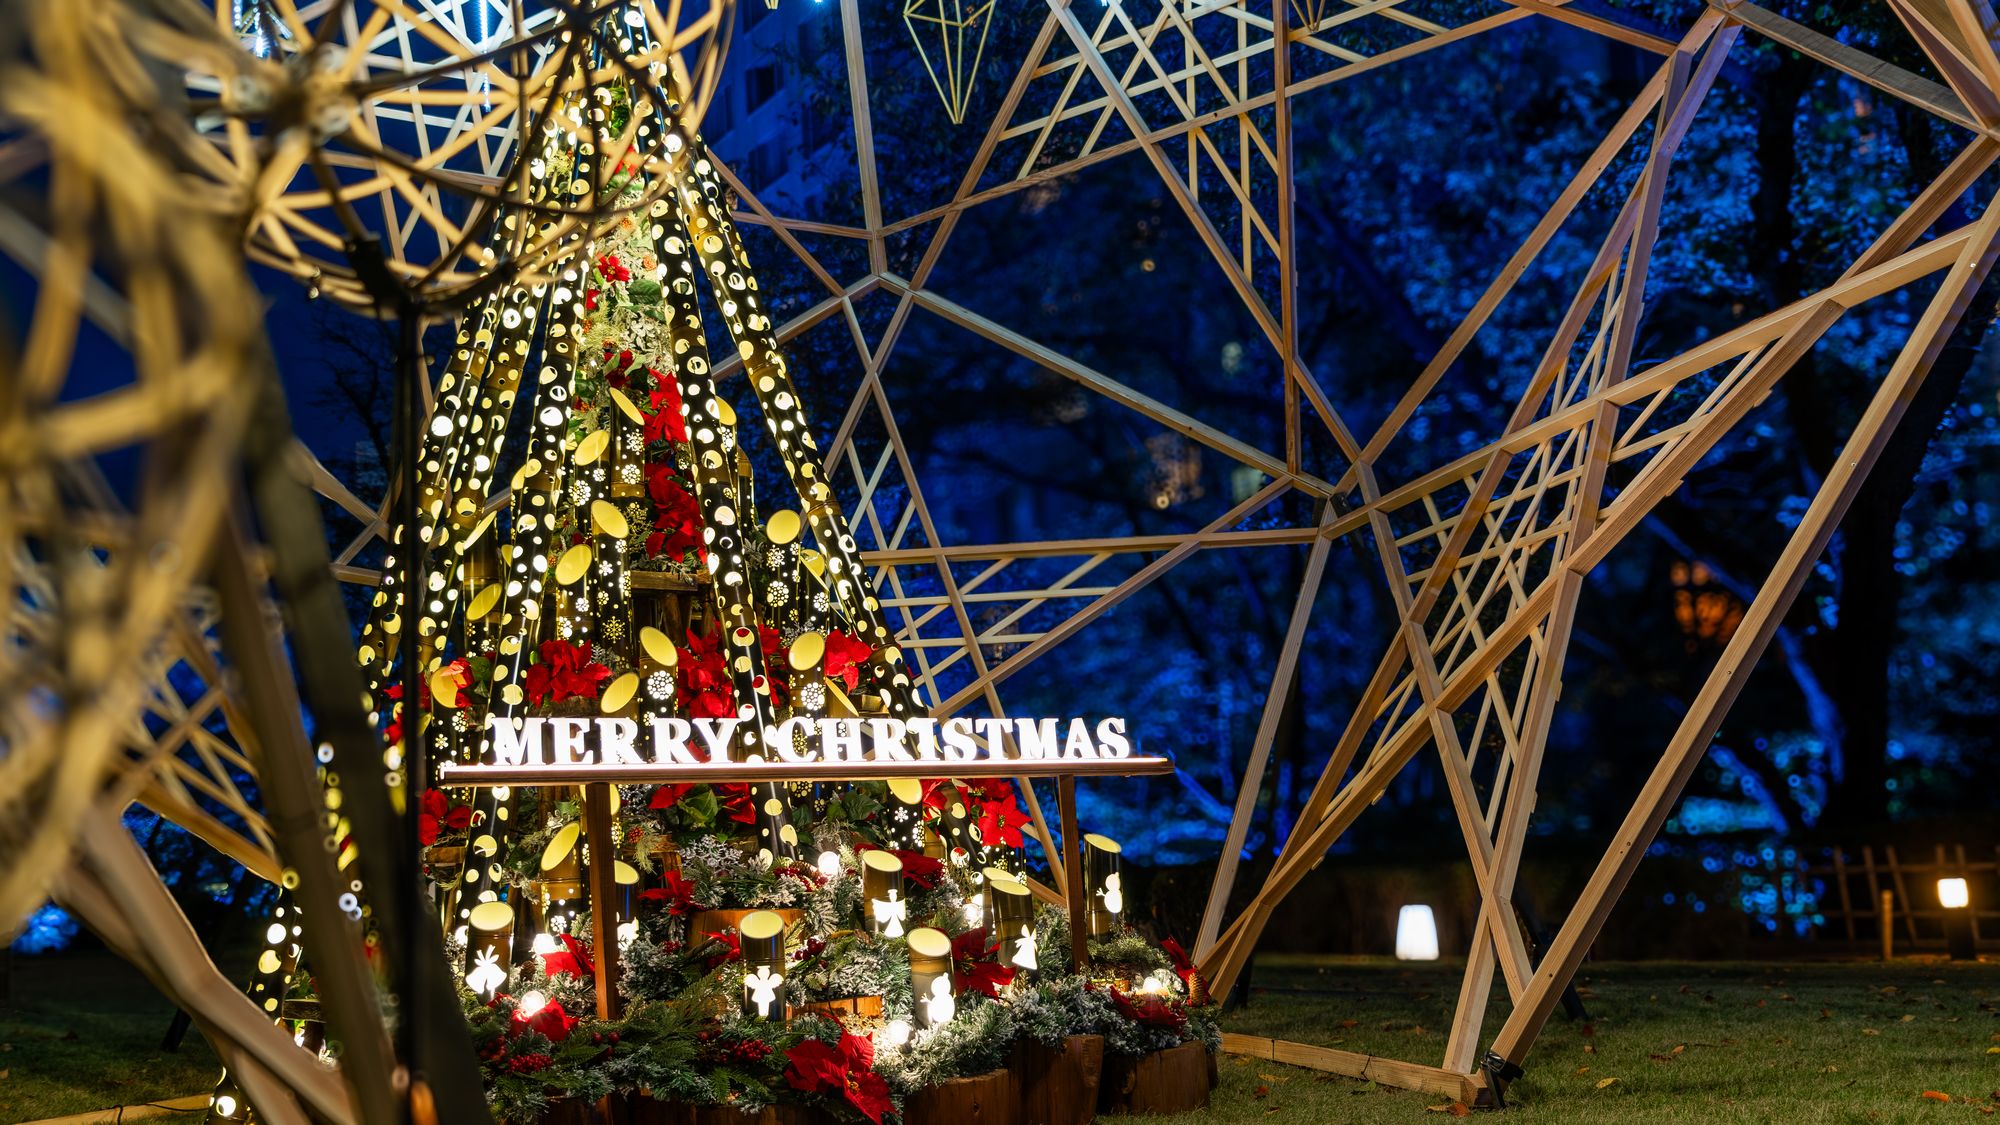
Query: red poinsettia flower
point(844, 657)
point(676, 515)
point(664, 422)
point(574, 959)
point(973, 968)
point(1152, 1011)
point(712, 705)
point(731, 949)
point(675, 891)
point(564, 671)
point(736, 801)
point(551, 1021)
point(393, 730)
point(845, 1068)
point(436, 813)
point(667, 796)
point(939, 793)
point(1000, 815)
point(1183, 964)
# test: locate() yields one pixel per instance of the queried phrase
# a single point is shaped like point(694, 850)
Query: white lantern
point(1416, 934)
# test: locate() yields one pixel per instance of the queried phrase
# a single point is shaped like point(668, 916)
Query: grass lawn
point(1799, 1043)
point(1714, 1043)
point(83, 1033)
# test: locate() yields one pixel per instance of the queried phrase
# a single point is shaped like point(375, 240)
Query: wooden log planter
point(716, 921)
point(992, 1098)
point(1059, 1085)
point(647, 1111)
point(1176, 1080)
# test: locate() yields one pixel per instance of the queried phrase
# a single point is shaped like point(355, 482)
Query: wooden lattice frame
point(1485, 556)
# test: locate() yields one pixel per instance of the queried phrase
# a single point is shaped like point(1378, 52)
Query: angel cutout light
point(763, 989)
point(628, 932)
point(889, 914)
point(939, 1006)
point(1024, 951)
point(486, 976)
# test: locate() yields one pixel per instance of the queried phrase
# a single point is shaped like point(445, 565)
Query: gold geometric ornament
point(953, 24)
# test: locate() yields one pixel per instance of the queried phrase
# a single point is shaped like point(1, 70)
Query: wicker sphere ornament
point(369, 146)
point(141, 345)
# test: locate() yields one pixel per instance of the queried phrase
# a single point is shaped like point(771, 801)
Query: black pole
point(409, 553)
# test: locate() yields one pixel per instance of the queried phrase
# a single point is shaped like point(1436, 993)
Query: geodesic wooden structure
point(1484, 557)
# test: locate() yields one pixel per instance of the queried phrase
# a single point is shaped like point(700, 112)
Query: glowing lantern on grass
point(1416, 934)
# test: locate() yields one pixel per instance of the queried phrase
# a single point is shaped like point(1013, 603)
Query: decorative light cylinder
point(1010, 915)
point(930, 977)
point(763, 936)
point(883, 906)
point(906, 812)
point(489, 942)
point(985, 879)
point(1104, 881)
point(956, 822)
point(1955, 897)
point(1416, 934)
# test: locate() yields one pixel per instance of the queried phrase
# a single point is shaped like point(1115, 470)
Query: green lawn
point(1720, 1044)
point(83, 1033)
point(1715, 1043)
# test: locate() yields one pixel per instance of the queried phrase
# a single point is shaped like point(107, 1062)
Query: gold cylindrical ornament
point(489, 945)
point(1010, 917)
point(1104, 879)
point(930, 977)
point(763, 936)
point(883, 908)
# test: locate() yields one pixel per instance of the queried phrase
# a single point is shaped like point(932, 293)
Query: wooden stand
point(1059, 1085)
point(989, 1099)
point(603, 895)
point(1176, 1080)
point(1073, 888)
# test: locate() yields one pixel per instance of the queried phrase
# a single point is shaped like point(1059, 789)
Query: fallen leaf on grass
point(1589, 1050)
point(1678, 1049)
point(1908, 1019)
point(1869, 1031)
point(1825, 1015)
point(1270, 1078)
point(1583, 1070)
point(1587, 1031)
point(1348, 1023)
point(1456, 1109)
point(1606, 1083)
point(1260, 1091)
point(1829, 1069)
point(1938, 1096)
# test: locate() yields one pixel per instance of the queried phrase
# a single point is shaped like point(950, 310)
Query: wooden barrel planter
point(865, 1007)
point(992, 1098)
point(648, 1111)
point(1058, 1084)
point(612, 1109)
point(1176, 1080)
point(716, 921)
